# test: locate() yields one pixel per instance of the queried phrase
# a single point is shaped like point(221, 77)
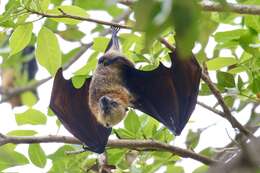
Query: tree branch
point(227, 113)
point(207, 5)
point(122, 143)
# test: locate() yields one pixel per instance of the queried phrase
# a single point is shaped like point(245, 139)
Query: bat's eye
point(101, 60)
point(114, 104)
point(107, 125)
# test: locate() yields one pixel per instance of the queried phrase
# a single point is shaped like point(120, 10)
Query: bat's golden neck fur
point(107, 83)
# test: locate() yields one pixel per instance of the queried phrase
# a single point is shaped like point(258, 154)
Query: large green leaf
point(37, 155)
point(132, 122)
point(48, 51)
point(219, 62)
point(20, 38)
point(10, 158)
point(31, 116)
point(22, 133)
point(229, 35)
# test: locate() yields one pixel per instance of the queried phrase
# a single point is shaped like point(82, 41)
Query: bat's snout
point(105, 104)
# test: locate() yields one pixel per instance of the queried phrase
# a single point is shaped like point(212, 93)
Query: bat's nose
point(104, 104)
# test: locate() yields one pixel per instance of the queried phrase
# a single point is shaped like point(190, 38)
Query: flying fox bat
point(167, 94)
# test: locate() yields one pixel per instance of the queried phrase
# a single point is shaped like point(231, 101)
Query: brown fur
point(107, 81)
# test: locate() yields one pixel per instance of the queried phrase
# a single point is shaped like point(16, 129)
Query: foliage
point(180, 21)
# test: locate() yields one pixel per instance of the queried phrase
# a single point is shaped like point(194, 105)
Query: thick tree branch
point(122, 143)
point(207, 5)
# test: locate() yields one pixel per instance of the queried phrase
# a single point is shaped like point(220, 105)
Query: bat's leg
point(115, 42)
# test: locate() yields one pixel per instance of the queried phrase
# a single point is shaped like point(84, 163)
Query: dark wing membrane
point(71, 107)
point(167, 94)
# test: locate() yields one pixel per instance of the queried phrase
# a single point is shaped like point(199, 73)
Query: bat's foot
point(85, 148)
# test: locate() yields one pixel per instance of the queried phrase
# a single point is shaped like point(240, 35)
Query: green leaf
point(37, 155)
point(60, 153)
point(225, 79)
point(100, 44)
point(115, 155)
point(106, 6)
point(20, 38)
point(229, 35)
point(69, 10)
point(185, 16)
point(124, 133)
point(204, 91)
point(71, 34)
point(201, 169)
point(48, 51)
point(28, 98)
point(219, 62)
point(78, 81)
point(149, 127)
point(31, 116)
point(22, 133)
point(153, 167)
point(44, 4)
point(240, 83)
point(256, 85)
point(10, 158)
point(229, 100)
point(253, 22)
point(209, 152)
point(66, 57)
point(192, 139)
point(174, 169)
point(132, 122)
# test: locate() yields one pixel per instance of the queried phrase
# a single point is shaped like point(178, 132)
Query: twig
point(80, 18)
point(121, 143)
point(211, 109)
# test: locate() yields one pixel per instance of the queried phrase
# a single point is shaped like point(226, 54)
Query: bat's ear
point(113, 44)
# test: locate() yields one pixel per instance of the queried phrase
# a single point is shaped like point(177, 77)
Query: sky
point(217, 135)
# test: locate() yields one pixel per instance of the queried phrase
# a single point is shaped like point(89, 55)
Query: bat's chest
point(107, 80)
point(105, 77)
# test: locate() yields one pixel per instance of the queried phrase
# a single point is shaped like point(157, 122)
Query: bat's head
point(112, 111)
